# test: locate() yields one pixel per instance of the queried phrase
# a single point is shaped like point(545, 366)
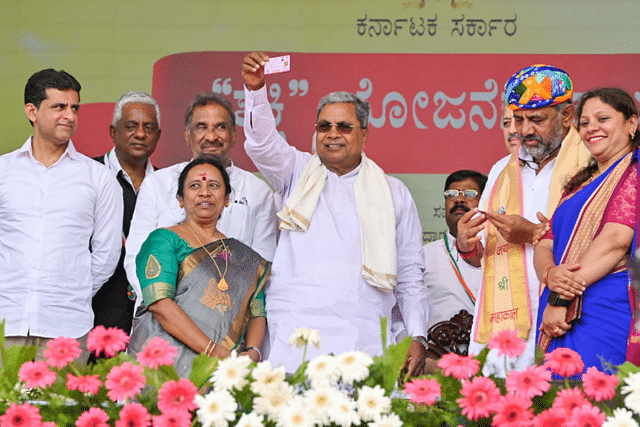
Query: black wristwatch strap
point(556, 300)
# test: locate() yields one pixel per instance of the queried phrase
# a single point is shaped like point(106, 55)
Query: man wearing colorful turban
point(515, 201)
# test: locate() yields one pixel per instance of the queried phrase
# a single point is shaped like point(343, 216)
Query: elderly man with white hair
point(350, 243)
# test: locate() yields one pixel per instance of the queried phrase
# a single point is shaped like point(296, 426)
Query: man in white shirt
point(135, 131)
point(350, 243)
point(209, 129)
point(453, 284)
point(60, 222)
point(515, 201)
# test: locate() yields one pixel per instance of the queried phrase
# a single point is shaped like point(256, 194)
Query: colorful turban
point(538, 86)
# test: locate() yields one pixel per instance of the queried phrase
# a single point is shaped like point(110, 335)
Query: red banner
point(430, 113)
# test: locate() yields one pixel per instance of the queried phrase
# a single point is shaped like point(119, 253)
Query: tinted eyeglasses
point(467, 194)
point(343, 127)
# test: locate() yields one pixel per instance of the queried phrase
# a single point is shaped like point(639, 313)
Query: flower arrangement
point(349, 389)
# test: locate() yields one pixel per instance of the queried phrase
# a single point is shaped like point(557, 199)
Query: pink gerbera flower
point(423, 391)
point(507, 342)
point(564, 362)
point(23, 415)
point(86, 384)
point(156, 353)
point(107, 340)
point(480, 396)
point(553, 417)
point(586, 415)
point(530, 382)
point(48, 424)
point(36, 374)
point(599, 385)
point(94, 417)
point(174, 419)
point(134, 415)
point(512, 411)
point(177, 396)
point(459, 367)
point(125, 381)
point(62, 350)
point(569, 399)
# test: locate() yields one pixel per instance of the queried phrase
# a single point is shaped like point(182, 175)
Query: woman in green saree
point(202, 292)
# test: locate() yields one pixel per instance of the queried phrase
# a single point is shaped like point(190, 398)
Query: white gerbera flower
point(621, 418)
point(343, 411)
point(217, 408)
point(322, 371)
point(231, 373)
point(632, 401)
point(267, 378)
point(273, 403)
point(354, 366)
point(296, 414)
point(390, 420)
point(320, 401)
point(633, 383)
point(251, 420)
point(304, 336)
point(372, 403)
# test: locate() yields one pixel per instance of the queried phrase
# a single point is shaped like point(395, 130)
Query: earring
point(181, 205)
point(633, 135)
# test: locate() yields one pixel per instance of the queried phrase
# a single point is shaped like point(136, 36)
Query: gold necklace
point(222, 283)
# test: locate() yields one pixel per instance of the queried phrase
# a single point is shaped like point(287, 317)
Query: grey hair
point(560, 107)
point(208, 98)
point(362, 107)
point(134, 97)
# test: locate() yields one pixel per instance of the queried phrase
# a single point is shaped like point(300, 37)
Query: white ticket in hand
point(279, 64)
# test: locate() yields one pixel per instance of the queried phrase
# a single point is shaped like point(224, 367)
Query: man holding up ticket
point(349, 246)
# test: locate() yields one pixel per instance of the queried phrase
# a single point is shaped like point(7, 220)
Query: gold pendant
point(222, 285)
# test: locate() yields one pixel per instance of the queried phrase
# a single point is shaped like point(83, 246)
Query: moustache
point(536, 138)
point(459, 206)
point(513, 136)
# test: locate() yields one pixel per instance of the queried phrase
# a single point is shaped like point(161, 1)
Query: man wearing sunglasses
point(349, 246)
point(514, 205)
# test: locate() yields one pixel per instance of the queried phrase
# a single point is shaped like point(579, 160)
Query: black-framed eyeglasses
point(467, 194)
point(343, 127)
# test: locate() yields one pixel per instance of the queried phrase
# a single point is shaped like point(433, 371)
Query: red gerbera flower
point(599, 385)
point(564, 362)
point(423, 391)
point(480, 396)
point(530, 382)
point(94, 417)
point(107, 340)
point(459, 367)
point(156, 353)
point(512, 411)
point(23, 415)
point(507, 342)
point(125, 381)
point(134, 415)
point(86, 384)
point(569, 399)
point(177, 396)
point(62, 350)
point(36, 374)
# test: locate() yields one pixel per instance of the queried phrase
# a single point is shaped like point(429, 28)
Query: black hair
point(207, 98)
point(36, 89)
point(208, 159)
point(463, 174)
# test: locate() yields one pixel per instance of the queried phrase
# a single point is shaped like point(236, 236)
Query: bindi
point(203, 175)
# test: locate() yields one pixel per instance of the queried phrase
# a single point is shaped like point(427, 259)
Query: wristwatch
point(556, 300)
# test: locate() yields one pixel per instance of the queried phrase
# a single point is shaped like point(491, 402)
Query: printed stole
point(504, 298)
point(588, 221)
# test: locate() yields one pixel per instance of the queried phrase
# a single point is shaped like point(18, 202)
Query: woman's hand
point(566, 281)
point(553, 321)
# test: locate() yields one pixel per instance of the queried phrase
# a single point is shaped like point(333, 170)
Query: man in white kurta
point(545, 125)
point(250, 216)
point(317, 279)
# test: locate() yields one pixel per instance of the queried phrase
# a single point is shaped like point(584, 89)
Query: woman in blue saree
point(202, 291)
point(583, 260)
